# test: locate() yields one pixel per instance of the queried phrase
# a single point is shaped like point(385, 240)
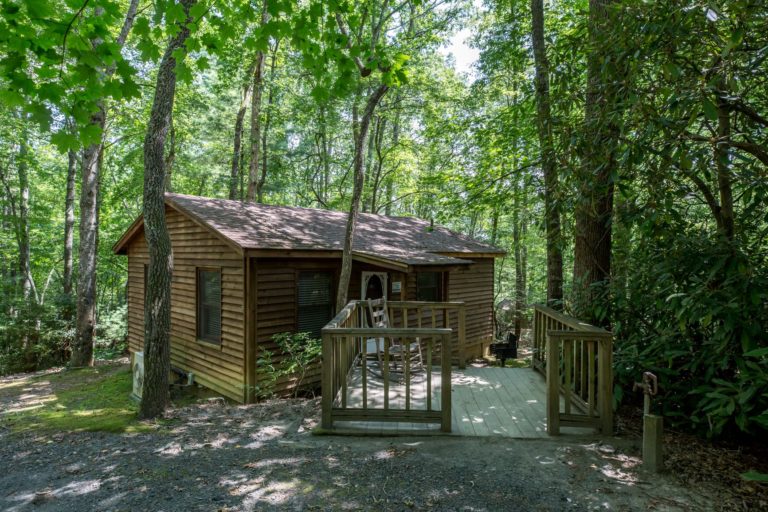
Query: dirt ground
point(214, 456)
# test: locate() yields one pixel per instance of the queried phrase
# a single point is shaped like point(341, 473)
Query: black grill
point(504, 350)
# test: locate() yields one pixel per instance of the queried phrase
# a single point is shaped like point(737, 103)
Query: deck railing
point(577, 360)
point(357, 383)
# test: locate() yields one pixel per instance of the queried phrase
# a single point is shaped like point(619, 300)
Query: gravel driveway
point(263, 457)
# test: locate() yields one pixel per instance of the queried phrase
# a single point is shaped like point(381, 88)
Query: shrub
point(299, 352)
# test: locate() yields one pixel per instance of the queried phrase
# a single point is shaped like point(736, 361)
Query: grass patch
point(88, 399)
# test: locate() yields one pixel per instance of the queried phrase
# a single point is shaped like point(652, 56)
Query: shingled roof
point(405, 240)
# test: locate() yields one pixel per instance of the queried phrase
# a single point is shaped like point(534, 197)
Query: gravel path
point(263, 457)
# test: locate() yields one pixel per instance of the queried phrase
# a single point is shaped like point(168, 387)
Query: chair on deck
point(401, 352)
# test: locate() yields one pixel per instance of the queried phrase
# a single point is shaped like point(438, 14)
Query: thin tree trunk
point(256, 182)
point(69, 222)
point(548, 164)
point(357, 192)
point(594, 208)
point(157, 310)
point(369, 160)
point(267, 122)
point(69, 233)
point(237, 151)
point(722, 159)
point(517, 244)
point(25, 259)
point(326, 156)
point(85, 323)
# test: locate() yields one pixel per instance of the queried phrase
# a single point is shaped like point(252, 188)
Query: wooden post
point(605, 385)
point(445, 385)
point(462, 336)
point(327, 391)
point(653, 429)
point(553, 385)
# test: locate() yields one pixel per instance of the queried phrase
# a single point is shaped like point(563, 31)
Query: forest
point(616, 149)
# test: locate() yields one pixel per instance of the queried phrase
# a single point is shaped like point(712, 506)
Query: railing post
point(553, 385)
point(605, 370)
point(445, 384)
point(327, 390)
point(462, 338)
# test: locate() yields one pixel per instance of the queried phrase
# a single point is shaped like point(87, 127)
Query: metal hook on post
point(653, 425)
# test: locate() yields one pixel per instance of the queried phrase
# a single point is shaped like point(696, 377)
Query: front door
point(374, 285)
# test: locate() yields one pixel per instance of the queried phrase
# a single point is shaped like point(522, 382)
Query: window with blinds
point(429, 286)
point(209, 305)
point(315, 301)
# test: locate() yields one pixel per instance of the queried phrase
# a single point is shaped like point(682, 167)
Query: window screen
point(315, 301)
point(209, 305)
point(429, 286)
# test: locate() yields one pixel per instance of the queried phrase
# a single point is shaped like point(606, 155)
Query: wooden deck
point(486, 401)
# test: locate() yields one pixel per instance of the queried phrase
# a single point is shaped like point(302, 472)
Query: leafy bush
point(112, 333)
point(298, 351)
point(694, 312)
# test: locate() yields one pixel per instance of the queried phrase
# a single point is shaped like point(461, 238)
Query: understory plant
point(694, 312)
point(296, 353)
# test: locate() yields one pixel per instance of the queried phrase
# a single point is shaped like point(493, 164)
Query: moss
point(89, 399)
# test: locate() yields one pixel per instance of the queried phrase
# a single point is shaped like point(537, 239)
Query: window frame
point(199, 307)
point(439, 285)
point(332, 272)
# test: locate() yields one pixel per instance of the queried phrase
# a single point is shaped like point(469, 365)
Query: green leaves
point(709, 108)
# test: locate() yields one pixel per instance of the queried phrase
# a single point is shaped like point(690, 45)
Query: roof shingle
point(257, 226)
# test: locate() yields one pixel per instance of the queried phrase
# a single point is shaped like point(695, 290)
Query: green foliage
point(112, 333)
point(296, 354)
point(693, 312)
point(755, 476)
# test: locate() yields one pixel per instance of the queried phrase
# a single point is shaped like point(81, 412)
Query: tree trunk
point(25, 259)
point(722, 159)
point(237, 150)
point(69, 231)
point(357, 192)
point(255, 181)
point(157, 310)
point(326, 156)
point(85, 323)
point(548, 164)
point(519, 231)
point(267, 122)
point(170, 157)
point(594, 207)
point(82, 347)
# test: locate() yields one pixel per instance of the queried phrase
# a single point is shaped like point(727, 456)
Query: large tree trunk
point(69, 230)
point(548, 165)
point(85, 323)
point(170, 158)
point(357, 192)
point(157, 309)
point(594, 207)
point(255, 181)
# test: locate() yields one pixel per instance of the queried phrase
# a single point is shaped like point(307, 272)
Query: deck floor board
point(487, 401)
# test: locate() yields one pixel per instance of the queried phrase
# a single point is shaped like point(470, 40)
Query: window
point(429, 286)
point(315, 301)
point(209, 305)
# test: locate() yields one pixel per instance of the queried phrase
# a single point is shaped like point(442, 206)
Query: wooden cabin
point(245, 272)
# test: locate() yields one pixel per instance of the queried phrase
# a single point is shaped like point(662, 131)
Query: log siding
point(219, 367)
